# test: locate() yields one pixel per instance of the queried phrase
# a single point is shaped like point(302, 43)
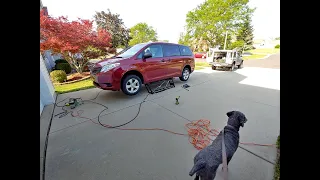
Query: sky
point(166, 16)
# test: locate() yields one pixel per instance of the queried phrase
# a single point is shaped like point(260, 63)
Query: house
point(47, 94)
point(265, 43)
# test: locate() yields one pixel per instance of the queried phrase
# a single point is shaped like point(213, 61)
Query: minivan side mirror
point(147, 55)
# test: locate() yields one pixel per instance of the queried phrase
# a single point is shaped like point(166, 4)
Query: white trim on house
point(47, 94)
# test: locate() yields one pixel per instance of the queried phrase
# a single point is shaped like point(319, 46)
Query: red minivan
point(141, 64)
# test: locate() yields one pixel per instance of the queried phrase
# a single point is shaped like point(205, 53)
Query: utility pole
point(225, 40)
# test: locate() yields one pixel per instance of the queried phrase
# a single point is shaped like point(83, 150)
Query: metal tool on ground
point(160, 86)
point(74, 102)
point(185, 86)
point(177, 100)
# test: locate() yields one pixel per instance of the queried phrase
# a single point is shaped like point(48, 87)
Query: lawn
point(201, 65)
point(264, 51)
point(254, 56)
point(260, 53)
point(80, 85)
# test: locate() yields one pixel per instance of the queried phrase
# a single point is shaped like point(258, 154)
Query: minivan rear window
point(185, 51)
point(170, 50)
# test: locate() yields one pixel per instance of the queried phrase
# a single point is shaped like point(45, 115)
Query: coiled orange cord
point(199, 131)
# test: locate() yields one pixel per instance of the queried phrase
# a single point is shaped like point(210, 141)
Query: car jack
point(160, 86)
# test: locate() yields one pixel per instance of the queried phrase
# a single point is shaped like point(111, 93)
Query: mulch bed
point(77, 76)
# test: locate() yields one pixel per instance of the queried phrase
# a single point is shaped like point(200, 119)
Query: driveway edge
point(45, 124)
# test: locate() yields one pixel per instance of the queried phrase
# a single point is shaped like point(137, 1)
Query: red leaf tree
point(75, 40)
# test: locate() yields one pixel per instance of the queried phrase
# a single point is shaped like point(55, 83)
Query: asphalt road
point(272, 61)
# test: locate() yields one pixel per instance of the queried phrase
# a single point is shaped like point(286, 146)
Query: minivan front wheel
point(185, 74)
point(131, 85)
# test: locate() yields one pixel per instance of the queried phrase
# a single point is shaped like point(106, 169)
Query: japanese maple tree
point(75, 40)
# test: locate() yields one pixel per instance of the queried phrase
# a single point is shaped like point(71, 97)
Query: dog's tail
point(197, 166)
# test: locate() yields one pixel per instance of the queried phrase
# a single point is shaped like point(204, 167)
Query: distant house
point(47, 94)
point(265, 43)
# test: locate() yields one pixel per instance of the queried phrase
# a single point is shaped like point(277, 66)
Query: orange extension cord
point(199, 131)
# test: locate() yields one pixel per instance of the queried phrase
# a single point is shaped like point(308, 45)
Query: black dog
point(207, 161)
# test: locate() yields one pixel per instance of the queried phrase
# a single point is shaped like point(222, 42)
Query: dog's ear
point(197, 166)
point(230, 113)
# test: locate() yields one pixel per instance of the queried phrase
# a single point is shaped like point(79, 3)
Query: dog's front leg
point(197, 177)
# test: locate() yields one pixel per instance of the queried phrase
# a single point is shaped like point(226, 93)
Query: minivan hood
point(109, 61)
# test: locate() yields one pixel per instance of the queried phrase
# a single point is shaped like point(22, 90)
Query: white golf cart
point(224, 59)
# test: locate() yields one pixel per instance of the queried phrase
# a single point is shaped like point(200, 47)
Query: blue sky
point(166, 16)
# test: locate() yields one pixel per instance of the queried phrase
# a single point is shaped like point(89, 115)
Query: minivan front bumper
point(105, 81)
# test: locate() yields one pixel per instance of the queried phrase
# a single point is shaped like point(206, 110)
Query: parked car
point(141, 64)
point(246, 54)
point(224, 59)
point(200, 55)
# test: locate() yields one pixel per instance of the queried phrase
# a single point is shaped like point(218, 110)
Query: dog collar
point(231, 127)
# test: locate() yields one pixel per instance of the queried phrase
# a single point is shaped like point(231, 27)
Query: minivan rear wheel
point(131, 85)
point(185, 74)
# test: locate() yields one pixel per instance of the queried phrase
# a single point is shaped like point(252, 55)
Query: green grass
point(264, 51)
point(278, 142)
point(201, 65)
point(253, 56)
point(80, 85)
point(277, 166)
point(198, 67)
point(260, 53)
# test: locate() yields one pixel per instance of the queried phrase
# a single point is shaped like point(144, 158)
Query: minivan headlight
point(107, 67)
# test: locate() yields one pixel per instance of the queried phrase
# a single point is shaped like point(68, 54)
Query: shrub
point(60, 61)
point(278, 142)
point(64, 66)
point(277, 46)
point(58, 76)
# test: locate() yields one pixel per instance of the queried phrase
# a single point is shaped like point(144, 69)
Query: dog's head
point(236, 119)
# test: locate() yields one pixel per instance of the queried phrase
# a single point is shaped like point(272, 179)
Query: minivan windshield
point(131, 51)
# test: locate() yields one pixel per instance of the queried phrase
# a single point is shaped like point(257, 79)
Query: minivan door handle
point(162, 60)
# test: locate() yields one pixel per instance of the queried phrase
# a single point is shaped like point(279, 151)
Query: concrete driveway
point(78, 149)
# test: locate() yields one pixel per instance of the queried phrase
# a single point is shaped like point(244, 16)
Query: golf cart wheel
point(240, 65)
point(131, 85)
point(185, 74)
point(213, 67)
point(232, 67)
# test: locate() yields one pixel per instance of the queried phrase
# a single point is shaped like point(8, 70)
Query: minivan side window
point(185, 51)
point(155, 50)
point(170, 50)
